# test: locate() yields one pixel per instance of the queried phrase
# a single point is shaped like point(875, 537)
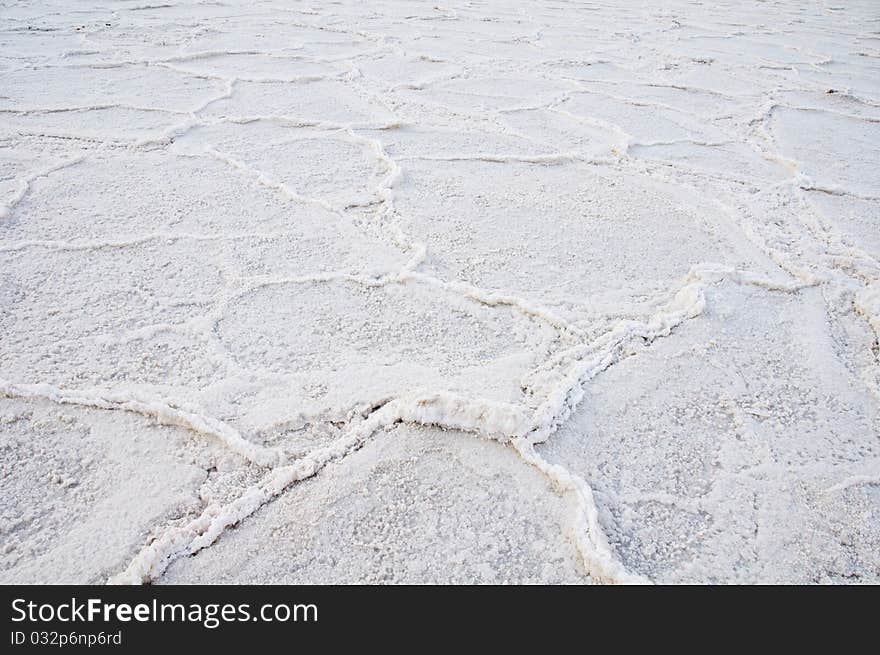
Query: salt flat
point(560, 292)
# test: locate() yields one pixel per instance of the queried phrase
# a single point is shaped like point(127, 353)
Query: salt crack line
point(867, 303)
point(406, 275)
point(688, 302)
point(805, 183)
point(268, 182)
point(447, 410)
point(162, 412)
point(852, 481)
point(598, 557)
point(294, 79)
point(503, 422)
point(24, 184)
point(25, 111)
point(252, 283)
point(286, 120)
point(495, 299)
point(591, 359)
point(501, 158)
point(385, 192)
point(191, 121)
point(75, 245)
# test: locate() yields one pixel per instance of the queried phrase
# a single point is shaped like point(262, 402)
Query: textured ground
point(399, 292)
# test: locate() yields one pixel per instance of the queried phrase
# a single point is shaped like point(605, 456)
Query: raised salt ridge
point(505, 292)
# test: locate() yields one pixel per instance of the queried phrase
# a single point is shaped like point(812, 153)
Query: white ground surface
point(400, 292)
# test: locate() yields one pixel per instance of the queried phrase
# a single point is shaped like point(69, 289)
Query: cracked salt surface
point(523, 292)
